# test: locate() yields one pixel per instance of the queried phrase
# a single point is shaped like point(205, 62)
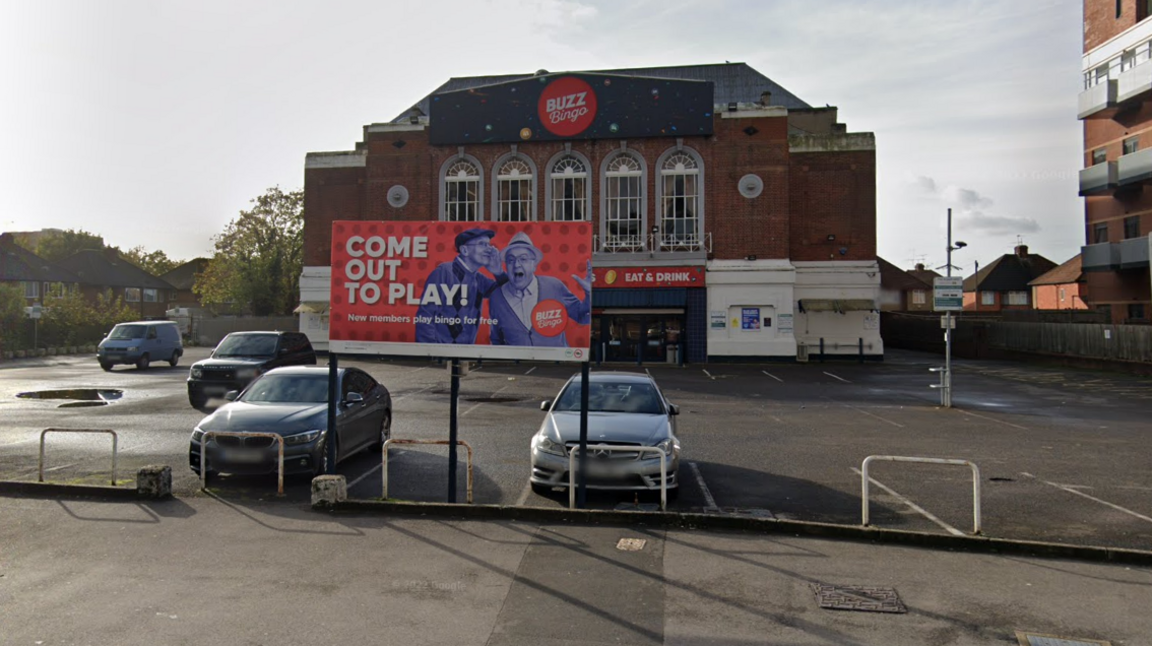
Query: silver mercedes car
point(625, 410)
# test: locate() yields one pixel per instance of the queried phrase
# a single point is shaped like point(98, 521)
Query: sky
point(154, 123)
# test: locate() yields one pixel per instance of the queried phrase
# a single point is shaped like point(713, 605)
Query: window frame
point(477, 181)
point(1016, 298)
point(987, 298)
point(552, 201)
point(696, 241)
point(1099, 156)
point(129, 292)
point(498, 183)
point(1131, 145)
point(1100, 233)
point(1131, 227)
point(919, 297)
point(31, 289)
point(608, 240)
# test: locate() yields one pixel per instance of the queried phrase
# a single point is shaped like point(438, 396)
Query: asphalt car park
point(1062, 453)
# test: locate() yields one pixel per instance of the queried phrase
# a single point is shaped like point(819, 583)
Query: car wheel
point(175, 358)
point(385, 431)
point(321, 466)
point(143, 361)
point(541, 489)
point(197, 402)
point(107, 367)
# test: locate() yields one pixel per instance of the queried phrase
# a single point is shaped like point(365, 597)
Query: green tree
point(59, 245)
point(71, 320)
point(11, 317)
point(258, 257)
point(154, 262)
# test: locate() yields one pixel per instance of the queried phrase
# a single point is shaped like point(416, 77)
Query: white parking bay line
point(835, 377)
point(479, 404)
point(772, 376)
point(992, 419)
point(523, 499)
point(711, 502)
point(861, 410)
point(709, 375)
point(370, 472)
point(1092, 498)
point(530, 370)
point(914, 506)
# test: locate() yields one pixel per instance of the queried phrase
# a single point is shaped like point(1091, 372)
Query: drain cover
point(631, 544)
point(1033, 639)
point(863, 598)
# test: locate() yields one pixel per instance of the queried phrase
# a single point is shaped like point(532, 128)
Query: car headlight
point(132, 348)
point(301, 438)
point(247, 373)
point(668, 446)
point(196, 372)
point(197, 434)
point(546, 445)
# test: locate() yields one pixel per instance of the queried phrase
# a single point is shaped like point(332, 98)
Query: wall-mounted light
point(831, 237)
point(732, 106)
point(655, 229)
point(750, 257)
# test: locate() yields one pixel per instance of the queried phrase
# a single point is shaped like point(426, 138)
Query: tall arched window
point(569, 189)
point(461, 191)
point(623, 190)
point(514, 191)
point(680, 187)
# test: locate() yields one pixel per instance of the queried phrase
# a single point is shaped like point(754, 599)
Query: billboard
point(481, 290)
point(558, 107)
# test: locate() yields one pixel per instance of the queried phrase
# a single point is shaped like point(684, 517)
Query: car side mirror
point(673, 409)
point(231, 395)
point(353, 398)
point(546, 404)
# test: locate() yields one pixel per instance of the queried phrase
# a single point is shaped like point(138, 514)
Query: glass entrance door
point(639, 338)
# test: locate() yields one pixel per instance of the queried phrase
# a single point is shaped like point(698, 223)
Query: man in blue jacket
point(457, 321)
point(513, 304)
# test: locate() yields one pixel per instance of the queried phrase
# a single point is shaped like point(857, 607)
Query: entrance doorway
point(638, 337)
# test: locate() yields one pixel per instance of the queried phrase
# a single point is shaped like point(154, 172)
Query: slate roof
point(19, 264)
point(1009, 273)
point(97, 268)
point(734, 82)
point(892, 277)
point(184, 276)
point(927, 276)
point(1069, 272)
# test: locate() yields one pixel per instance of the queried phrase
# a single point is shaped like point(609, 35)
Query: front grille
point(217, 373)
point(232, 441)
point(608, 455)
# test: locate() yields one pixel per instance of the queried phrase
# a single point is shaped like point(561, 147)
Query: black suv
point(243, 356)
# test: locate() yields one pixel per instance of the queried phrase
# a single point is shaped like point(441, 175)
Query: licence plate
point(245, 456)
point(113, 356)
point(215, 390)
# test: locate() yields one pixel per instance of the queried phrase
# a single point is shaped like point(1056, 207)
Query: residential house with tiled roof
point(1063, 288)
point(105, 272)
point(1004, 284)
point(39, 279)
point(901, 291)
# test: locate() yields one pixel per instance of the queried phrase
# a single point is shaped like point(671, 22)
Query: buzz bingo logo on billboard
point(567, 106)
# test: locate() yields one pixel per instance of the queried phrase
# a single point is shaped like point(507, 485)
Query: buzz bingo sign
point(474, 290)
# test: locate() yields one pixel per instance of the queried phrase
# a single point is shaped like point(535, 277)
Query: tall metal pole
point(452, 417)
point(582, 467)
point(948, 328)
point(333, 402)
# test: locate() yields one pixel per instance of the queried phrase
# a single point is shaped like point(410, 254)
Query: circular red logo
point(549, 318)
point(567, 106)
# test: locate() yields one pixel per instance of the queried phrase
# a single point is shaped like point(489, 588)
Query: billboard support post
point(333, 402)
point(452, 420)
point(582, 469)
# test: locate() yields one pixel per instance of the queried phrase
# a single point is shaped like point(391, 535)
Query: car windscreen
point(247, 345)
point(613, 397)
point(121, 332)
point(284, 389)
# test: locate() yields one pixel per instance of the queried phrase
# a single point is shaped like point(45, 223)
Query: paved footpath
point(204, 571)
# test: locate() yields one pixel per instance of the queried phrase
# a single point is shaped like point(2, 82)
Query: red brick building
point(712, 171)
point(1063, 288)
point(1115, 105)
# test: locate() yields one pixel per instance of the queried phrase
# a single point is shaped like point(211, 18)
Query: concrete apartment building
point(1115, 106)
point(763, 206)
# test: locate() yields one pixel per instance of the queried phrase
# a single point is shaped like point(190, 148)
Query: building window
point(1100, 233)
point(1099, 156)
point(1136, 311)
point(461, 197)
point(171, 296)
point(1017, 298)
point(1143, 9)
point(680, 194)
point(569, 185)
point(1119, 8)
point(31, 289)
point(623, 189)
point(1131, 227)
point(1061, 294)
point(1128, 60)
point(919, 297)
point(987, 298)
point(132, 294)
point(514, 191)
point(55, 290)
point(151, 296)
point(1131, 145)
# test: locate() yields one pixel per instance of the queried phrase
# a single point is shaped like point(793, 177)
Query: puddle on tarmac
point(80, 397)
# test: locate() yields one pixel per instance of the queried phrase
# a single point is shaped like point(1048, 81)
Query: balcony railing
point(1135, 83)
point(1134, 253)
point(1100, 178)
point(1098, 101)
point(1104, 256)
point(1134, 168)
point(656, 242)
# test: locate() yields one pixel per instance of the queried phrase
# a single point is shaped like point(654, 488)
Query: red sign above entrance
point(616, 277)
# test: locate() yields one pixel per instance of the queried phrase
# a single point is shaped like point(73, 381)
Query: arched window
point(680, 200)
point(568, 195)
point(514, 191)
point(623, 190)
point(461, 191)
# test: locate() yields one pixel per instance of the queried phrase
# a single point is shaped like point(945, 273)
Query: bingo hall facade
point(731, 219)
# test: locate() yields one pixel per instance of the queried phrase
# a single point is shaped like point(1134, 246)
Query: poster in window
point(750, 318)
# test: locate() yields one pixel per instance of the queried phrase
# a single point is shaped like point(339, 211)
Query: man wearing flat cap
point(457, 321)
point(527, 308)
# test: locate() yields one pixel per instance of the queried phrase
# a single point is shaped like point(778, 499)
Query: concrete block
point(329, 490)
point(154, 481)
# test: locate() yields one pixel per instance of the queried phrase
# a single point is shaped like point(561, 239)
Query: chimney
point(765, 98)
point(1022, 250)
point(919, 266)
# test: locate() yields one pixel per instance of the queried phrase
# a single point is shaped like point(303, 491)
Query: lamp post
point(946, 396)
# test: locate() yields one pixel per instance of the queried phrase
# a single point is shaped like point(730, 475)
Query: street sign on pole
point(948, 294)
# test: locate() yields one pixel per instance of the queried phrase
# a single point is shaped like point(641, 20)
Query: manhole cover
point(81, 397)
point(631, 544)
point(863, 598)
point(1033, 639)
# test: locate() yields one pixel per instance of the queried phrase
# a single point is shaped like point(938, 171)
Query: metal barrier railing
point(896, 458)
point(279, 458)
point(384, 462)
point(115, 440)
point(615, 447)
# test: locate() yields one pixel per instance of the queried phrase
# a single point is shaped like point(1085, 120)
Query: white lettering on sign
point(549, 319)
point(569, 107)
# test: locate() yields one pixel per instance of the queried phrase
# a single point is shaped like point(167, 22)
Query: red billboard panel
point(462, 289)
point(617, 277)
